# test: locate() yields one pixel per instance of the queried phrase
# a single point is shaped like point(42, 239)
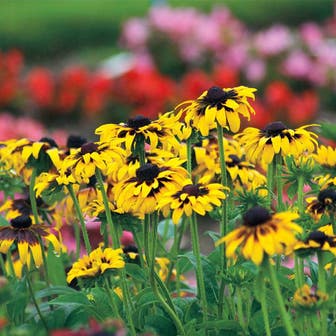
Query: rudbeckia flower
point(96, 263)
point(153, 132)
point(326, 156)
point(141, 193)
point(199, 198)
point(26, 235)
point(260, 234)
point(324, 203)
point(216, 104)
point(83, 162)
point(276, 138)
point(307, 297)
point(321, 240)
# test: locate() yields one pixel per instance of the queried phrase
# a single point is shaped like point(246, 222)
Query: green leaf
point(166, 229)
point(160, 324)
point(77, 298)
point(55, 267)
point(136, 272)
point(222, 325)
point(56, 290)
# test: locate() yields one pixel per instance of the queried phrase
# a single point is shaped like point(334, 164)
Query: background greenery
point(46, 29)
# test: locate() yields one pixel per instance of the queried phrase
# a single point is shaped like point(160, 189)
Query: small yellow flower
point(306, 297)
point(218, 105)
point(276, 138)
point(262, 233)
point(199, 198)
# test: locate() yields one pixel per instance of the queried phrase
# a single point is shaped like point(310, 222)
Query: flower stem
point(80, 218)
point(199, 269)
point(322, 286)
point(264, 306)
point(31, 291)
point(300, 194)
point(224, 217)
point(281, 305)
point(270, 182)
point(32, 197)
point(278, 176)
point(113, 229)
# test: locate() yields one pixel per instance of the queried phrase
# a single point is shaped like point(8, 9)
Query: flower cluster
point(156, 179)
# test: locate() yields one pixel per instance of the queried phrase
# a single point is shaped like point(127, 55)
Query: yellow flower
point(276, 138)
point(26, 236)
point(153, 132)
point(261, 233)
point(199, 198)
point(321, 240)
point(324, 203)
point(306, 297)
point(218, 105)
point(83, 162)
point(96, 263)
point(141, 193)
point(326, 156)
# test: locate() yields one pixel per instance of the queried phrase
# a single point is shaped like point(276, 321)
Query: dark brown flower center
point(89, 147)
point(50, 141)
point(275, 128)
point(138, 121)
point(194, 190)
point(75, 141)
point(256, 216)
point(21, 222)
point(234, 160)
point(318, 237)
point(327, 196)
point(217, 95)
point(147, 172)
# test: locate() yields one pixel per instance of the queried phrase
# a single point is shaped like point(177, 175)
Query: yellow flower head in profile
point(153, 132)
point(96, 263)
point(199, 198)
point(83, 162)
point(322, 239)
point(224, 106)
point(326, 156)
point(307, 297)
point(324, 203)
point(26, 235)
point(276, 138)
point(260, 234)
point(141, 193)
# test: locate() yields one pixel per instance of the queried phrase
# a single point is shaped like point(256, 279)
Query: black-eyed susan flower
point(276, 138)
point(199, 198)
point(224, 105)
point(21, 206)
point(326, 157)
point(26, 236)
point(96, 263)
point(308, 297)
point(261, 233)
point(141, 193)
point(152, 131)
point(324, 203)
point(323, 239)
point(83, 162)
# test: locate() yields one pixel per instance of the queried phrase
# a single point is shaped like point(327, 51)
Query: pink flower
point(311, 33)
point(273, 40)
point(127, 238)
point(255, 70)
point(135, 33)
point(298, 64)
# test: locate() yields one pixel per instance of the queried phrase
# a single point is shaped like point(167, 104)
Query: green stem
point(154, 278)
point(299, 271)
point(300, 194)
point(322, 286)
point(112, 301)
point(31, 291)
point(264, 307)
point(113, 229)
point(80, 218)
point(224, 217)
point(189, 162)
point(240, 312)
point(77, 237)
point(278, 175)
point(199, 269)
point(270, 183)
point(32, 197)
point(281, 305)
